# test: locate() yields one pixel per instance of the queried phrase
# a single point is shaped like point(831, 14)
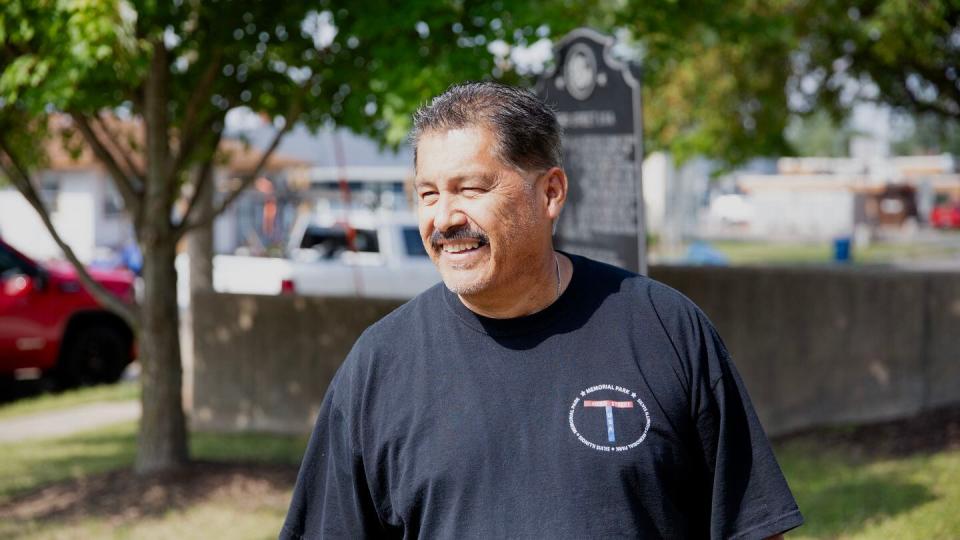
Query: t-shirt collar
point(527, 323)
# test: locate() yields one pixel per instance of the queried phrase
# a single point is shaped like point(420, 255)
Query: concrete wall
point(833, 345)
point(815, 346)
point(263, 362)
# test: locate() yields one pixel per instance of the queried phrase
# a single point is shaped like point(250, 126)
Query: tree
point(715, 75)
point(927, 134)
point(176, 68)
point(897, 52)
point(725, 78)
point(819, 134)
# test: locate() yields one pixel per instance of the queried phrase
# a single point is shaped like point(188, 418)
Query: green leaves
point(899, 52)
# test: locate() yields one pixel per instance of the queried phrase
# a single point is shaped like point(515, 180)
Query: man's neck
point(534, 293)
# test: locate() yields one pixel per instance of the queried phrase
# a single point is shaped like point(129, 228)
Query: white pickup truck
point(378, 256)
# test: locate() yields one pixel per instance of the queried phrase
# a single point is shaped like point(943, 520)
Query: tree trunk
point(200, 249)
point(200, 241)
point(162, 444)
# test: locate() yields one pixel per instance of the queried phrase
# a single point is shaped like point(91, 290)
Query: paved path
point(67, 421)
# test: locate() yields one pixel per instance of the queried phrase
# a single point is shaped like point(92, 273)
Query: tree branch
point(246, 180)
point(135, 172)
point(189, 144)
point(18, 175)
point(131, 197)
point(189, 132)
point(203, 178)
point(203, 91)
point(924, 106)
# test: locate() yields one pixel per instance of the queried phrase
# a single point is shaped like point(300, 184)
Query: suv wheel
point(96, 354)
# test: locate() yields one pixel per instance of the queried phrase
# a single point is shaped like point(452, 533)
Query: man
point(532, 394)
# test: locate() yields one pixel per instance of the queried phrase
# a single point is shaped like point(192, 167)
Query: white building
point(88, 213)
point(819, 198)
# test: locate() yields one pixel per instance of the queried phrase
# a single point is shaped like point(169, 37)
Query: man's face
point(479, 218)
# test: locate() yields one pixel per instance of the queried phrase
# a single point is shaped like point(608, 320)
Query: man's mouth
point(458, 242)
point(461, 247)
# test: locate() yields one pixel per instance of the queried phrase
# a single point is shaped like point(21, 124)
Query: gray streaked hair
point(527, 132)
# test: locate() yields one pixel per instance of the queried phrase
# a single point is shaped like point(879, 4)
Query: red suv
point(50, 325)
point(945, 214)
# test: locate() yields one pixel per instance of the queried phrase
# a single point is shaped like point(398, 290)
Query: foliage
point(714, 76)
point(898, 52)
point(819, 134)
point(927, 133)
point(176, 68)
point(722, 79)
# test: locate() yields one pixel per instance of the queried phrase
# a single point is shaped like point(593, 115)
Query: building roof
point(73, 154)
point(320, 148)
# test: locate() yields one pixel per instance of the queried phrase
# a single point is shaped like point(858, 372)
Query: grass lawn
point(81, 487)
point(64, 488)
point(122, 391)
point(812, 253)
point(845, 496)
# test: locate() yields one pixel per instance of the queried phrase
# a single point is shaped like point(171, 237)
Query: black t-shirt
point(614, 412)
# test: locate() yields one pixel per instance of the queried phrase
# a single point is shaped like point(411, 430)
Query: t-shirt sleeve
point(750, 498)
point(331, 498)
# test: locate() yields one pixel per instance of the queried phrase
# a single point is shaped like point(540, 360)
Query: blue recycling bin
point(841, 249)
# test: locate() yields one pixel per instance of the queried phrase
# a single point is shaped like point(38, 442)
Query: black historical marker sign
point(597, 99)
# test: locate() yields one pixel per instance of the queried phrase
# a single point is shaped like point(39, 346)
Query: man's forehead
point(474, 175)
point(467, 140)
point(461, 152)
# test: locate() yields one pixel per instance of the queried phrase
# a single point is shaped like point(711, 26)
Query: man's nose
point(448, 215)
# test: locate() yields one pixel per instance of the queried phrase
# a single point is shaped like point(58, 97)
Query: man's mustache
point(460, 233)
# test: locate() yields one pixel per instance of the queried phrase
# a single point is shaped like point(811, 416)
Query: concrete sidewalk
point(67, 421)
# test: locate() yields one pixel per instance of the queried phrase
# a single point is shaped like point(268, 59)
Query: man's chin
point(462, 282)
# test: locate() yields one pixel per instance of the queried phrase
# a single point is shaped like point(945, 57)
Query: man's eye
point(473, 190)
point(428, 195)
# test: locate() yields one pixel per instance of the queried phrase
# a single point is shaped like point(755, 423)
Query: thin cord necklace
point(556, 260)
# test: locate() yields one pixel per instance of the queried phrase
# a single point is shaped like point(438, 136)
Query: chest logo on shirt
point(609, 418)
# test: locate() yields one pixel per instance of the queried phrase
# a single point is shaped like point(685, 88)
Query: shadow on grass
point(35, 463)
point(121, 496)
point(12, 390)
point(847, 506)
point(844, 489)
point(90, 477)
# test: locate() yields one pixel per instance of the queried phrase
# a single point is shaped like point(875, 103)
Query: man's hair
point(527, 132)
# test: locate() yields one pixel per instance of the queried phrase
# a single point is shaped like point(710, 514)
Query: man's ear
point(555, 192)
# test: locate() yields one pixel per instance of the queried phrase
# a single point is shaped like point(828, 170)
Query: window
point(7, 262)
point(413, 243)
point(332, 241)
point(366, 241)
point(49, 190)
point(11, 265)
point(112, 202)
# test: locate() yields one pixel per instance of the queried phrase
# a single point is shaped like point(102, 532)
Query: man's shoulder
point(384, 340)
point(639, 290)
point(389, 335)
point(404, 319)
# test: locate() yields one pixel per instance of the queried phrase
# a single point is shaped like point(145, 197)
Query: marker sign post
point(598, 104)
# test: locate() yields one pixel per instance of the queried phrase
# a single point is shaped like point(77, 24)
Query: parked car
point(49, 324)
point(236, 274)
point(945, 214)
point(378, 255)
point(372, 255)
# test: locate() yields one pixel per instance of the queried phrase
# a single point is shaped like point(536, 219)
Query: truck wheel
point(96, 354)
